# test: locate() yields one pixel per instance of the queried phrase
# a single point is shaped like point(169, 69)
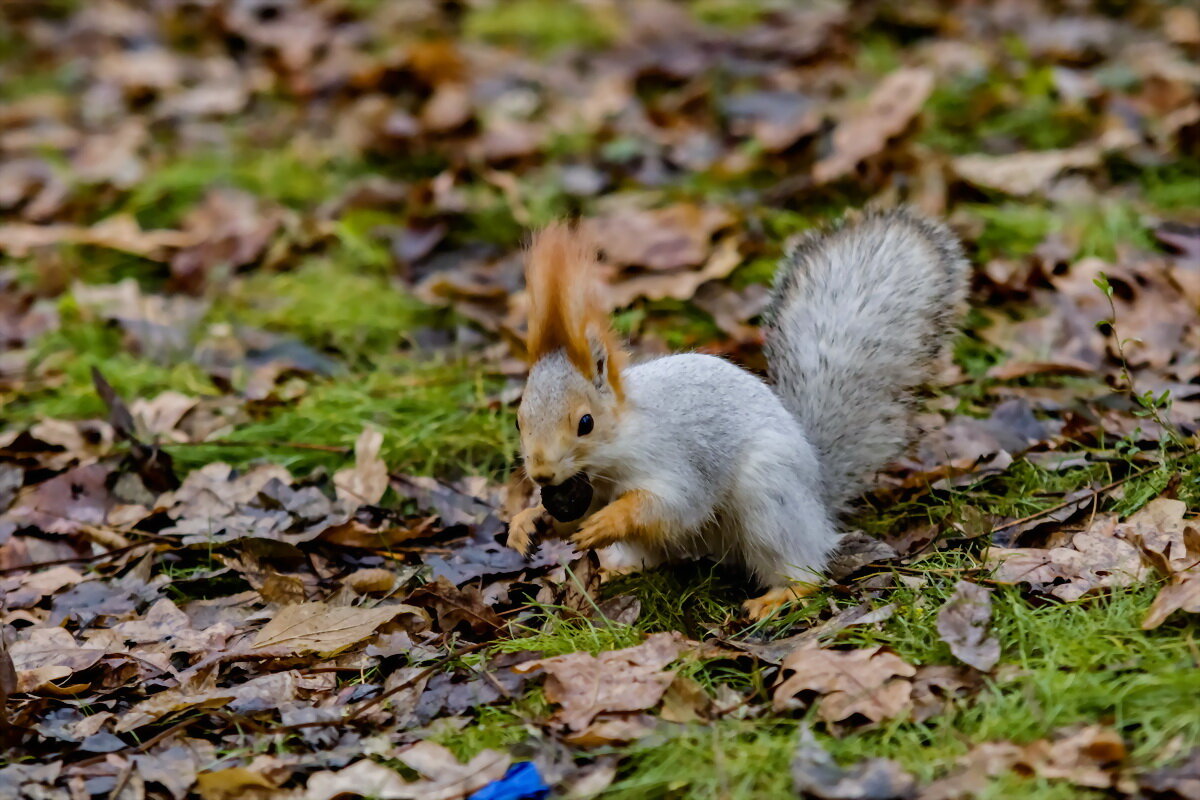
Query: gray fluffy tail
point(860, 317)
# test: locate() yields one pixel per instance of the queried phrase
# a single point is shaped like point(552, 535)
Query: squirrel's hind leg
point(786, 531)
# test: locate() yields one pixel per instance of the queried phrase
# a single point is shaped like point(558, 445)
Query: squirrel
point(688, 455)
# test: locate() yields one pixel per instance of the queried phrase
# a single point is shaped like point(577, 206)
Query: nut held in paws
point(568, 500)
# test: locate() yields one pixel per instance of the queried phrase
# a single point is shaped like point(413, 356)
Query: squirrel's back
point(860, 316)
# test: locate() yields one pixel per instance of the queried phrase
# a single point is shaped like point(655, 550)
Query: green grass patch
point(64, 389)
point(437, 417)
point(1001, 112)
point(540, 25)
point(330, 302)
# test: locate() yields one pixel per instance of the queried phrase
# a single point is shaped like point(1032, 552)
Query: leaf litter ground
point(260, 344)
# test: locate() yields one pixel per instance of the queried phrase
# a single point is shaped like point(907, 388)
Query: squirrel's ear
point(601, 360)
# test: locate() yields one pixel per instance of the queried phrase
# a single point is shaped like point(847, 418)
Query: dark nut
point(569, 500)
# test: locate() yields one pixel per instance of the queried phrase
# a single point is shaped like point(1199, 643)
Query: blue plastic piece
point(521, 782)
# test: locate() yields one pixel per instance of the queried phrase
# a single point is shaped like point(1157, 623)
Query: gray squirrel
point(688, 455)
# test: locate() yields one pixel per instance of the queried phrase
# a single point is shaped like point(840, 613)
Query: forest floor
point(260, 348)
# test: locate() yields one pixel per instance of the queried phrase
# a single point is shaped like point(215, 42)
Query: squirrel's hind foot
point(761, 607)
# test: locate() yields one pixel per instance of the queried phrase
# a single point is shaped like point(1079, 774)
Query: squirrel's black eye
point(517, 420)
point(585, 424)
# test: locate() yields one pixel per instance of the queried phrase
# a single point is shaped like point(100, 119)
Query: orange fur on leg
point(629, 516)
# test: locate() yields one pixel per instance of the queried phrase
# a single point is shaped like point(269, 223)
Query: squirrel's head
point(565, 417)
point(573, 397)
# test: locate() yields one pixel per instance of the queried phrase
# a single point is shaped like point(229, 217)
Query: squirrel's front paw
point(603, 528)
point(522, 529)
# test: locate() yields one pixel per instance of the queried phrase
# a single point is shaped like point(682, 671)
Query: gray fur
point(860, 317)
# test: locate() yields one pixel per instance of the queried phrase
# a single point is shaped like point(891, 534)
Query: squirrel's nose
point(542, 478)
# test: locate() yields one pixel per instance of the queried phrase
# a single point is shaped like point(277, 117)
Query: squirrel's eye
point(517, 420)
point(585, 424)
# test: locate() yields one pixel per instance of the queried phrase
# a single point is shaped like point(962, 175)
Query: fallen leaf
point(1181, 595)
point(871, 682)
point(1091, 756)
point(1179, 781)
point(632, 679)
point(893, 104)
point(816, 774)
point(323, 629)
point(115, 233)
point(662, 239)
point(1024, 174)
point(1098, 558)
point(679, 285)
point(445, 777)
point(963, 624)
point(48, 655)
point(367, 480)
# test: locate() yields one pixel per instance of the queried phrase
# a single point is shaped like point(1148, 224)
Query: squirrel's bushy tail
point(859, 318)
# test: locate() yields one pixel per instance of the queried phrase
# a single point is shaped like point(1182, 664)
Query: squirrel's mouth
point(569, 500)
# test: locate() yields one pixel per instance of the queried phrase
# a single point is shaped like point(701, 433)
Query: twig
point(75, 560)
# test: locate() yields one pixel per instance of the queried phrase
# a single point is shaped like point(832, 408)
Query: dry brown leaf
point(367, 480)
point(1090, 756)
point(1023, 173)
point(963, 624)
point(233, 783)
point(611, 729)
point(671, 238)
point(632, 679)
point(679, 285)
point(871, 682)
point(1098, 558)
point(886, 114)
point(445, 777)
point(376, 580)
point(115, 233)
point(323, 629)
point(1183, 595)
point(47, 655)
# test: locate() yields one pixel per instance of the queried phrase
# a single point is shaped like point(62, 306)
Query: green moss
point(1011, 229)
point(541, 25)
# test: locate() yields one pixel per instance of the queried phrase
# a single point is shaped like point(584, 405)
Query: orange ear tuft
point(565, 311)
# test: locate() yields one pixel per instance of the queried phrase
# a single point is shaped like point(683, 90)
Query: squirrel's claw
point(522, 529)
point(761, 607)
